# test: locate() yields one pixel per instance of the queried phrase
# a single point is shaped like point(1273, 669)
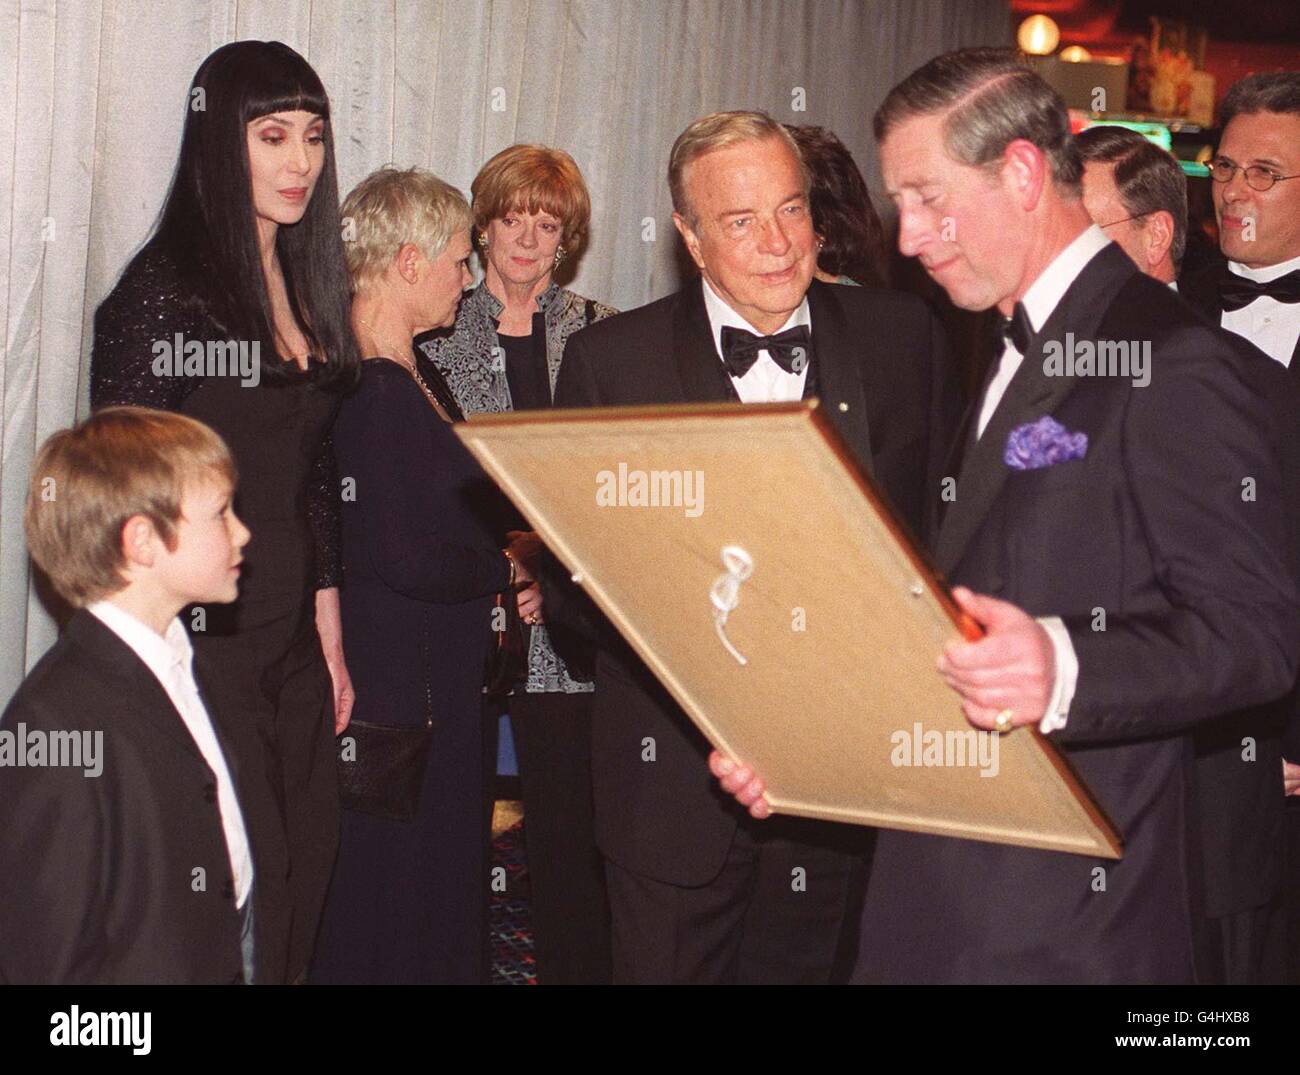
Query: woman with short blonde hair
point(422, 567)
point(391, 207)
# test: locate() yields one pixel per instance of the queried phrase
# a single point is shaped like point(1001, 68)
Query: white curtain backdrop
point(92, 95)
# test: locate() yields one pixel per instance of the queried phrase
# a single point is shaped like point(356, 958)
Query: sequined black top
point(279, 435)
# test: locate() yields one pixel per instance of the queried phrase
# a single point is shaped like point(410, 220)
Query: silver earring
point(559, 255)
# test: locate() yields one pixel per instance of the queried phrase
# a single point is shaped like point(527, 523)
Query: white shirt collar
point(1054, 281)
point(162, 653)
point(722, 316)
point(1267, 273)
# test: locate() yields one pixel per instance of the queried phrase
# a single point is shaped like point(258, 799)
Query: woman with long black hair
point(236, 312)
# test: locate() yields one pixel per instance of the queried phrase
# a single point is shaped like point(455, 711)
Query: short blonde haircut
point(89, 480)
point(390, 208)
point(534, 179)
point(718, 130)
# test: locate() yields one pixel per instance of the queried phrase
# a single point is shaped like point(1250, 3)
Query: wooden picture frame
point(838, 616)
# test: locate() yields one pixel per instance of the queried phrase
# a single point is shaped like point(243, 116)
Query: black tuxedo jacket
point(880, 367)
point(1201, 617)
point(1241, 802)
point(97, 873)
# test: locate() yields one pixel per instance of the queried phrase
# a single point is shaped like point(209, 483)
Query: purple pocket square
point(1044, 443)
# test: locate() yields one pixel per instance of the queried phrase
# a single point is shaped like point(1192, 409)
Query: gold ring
point(1002, 722)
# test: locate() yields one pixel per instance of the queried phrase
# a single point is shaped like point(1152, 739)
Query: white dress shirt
point(170, 658)
point(765, 381)
point(1039, 302)
point(1270, 325)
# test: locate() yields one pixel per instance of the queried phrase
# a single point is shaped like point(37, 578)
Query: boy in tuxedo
point(139, 842)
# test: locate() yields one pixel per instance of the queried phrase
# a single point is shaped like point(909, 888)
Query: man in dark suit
point(141, 841)
point(698, 892)
point(1118, 490)
point(1254, 292)
point(1137, 193)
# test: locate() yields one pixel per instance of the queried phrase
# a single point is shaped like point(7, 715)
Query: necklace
point(410, 368)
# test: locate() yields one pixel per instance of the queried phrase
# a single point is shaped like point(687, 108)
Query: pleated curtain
point(93, 93)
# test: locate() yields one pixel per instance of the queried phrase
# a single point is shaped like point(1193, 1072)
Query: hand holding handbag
point(381, 766)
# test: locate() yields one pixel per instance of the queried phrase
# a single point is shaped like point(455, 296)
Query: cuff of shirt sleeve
point(1067, 675)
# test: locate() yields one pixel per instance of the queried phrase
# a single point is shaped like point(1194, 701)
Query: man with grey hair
point(1131, 527)
point(699, 892)
point(1137, 194)
point(1254, 291)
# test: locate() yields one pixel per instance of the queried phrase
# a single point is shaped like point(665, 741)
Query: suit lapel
point(217, 714)
point(964, 440)
point(1201, 290)
point(837, 371)
point(700, 371)
point(111, 652)
point(1030, 395)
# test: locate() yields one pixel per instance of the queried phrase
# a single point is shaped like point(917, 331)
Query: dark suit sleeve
point(946, 407)
point(1291, 732)
point(1201, 456)
point(576, 386)
point(52, 868)
point(564, 603)
point(384, 444)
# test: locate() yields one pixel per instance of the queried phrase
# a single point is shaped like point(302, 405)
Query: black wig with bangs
point(208, 224)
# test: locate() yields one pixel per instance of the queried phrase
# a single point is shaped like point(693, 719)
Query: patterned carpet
point(511, 934)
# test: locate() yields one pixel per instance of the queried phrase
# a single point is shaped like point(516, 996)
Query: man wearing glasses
point(1257, 203)
point(1256, 294)
point(1137, 194)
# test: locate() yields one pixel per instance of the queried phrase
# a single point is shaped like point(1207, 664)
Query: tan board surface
point(838, 705)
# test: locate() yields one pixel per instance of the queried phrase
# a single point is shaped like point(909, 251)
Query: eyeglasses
point(1257, 176)
point(1124, 219)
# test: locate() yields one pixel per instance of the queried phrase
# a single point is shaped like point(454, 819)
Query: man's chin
point(786, 295)
point(965, 299)
point(1235, 249)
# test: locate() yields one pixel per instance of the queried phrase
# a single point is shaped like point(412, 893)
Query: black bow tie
point(1016, 329)
point(1237, 291)
point(791, 349)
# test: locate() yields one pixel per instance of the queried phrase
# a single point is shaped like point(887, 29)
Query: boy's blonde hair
point(89, 480)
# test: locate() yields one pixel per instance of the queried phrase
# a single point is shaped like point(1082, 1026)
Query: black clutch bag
point(381, 766)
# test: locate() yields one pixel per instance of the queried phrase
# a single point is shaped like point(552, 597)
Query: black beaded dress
point(265, 643)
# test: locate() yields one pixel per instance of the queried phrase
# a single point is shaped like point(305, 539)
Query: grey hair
point(717, 131)
point(1147, 178)
point(989, 98)
point(390, 208)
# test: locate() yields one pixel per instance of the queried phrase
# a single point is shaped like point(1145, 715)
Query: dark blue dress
point(421, 562)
